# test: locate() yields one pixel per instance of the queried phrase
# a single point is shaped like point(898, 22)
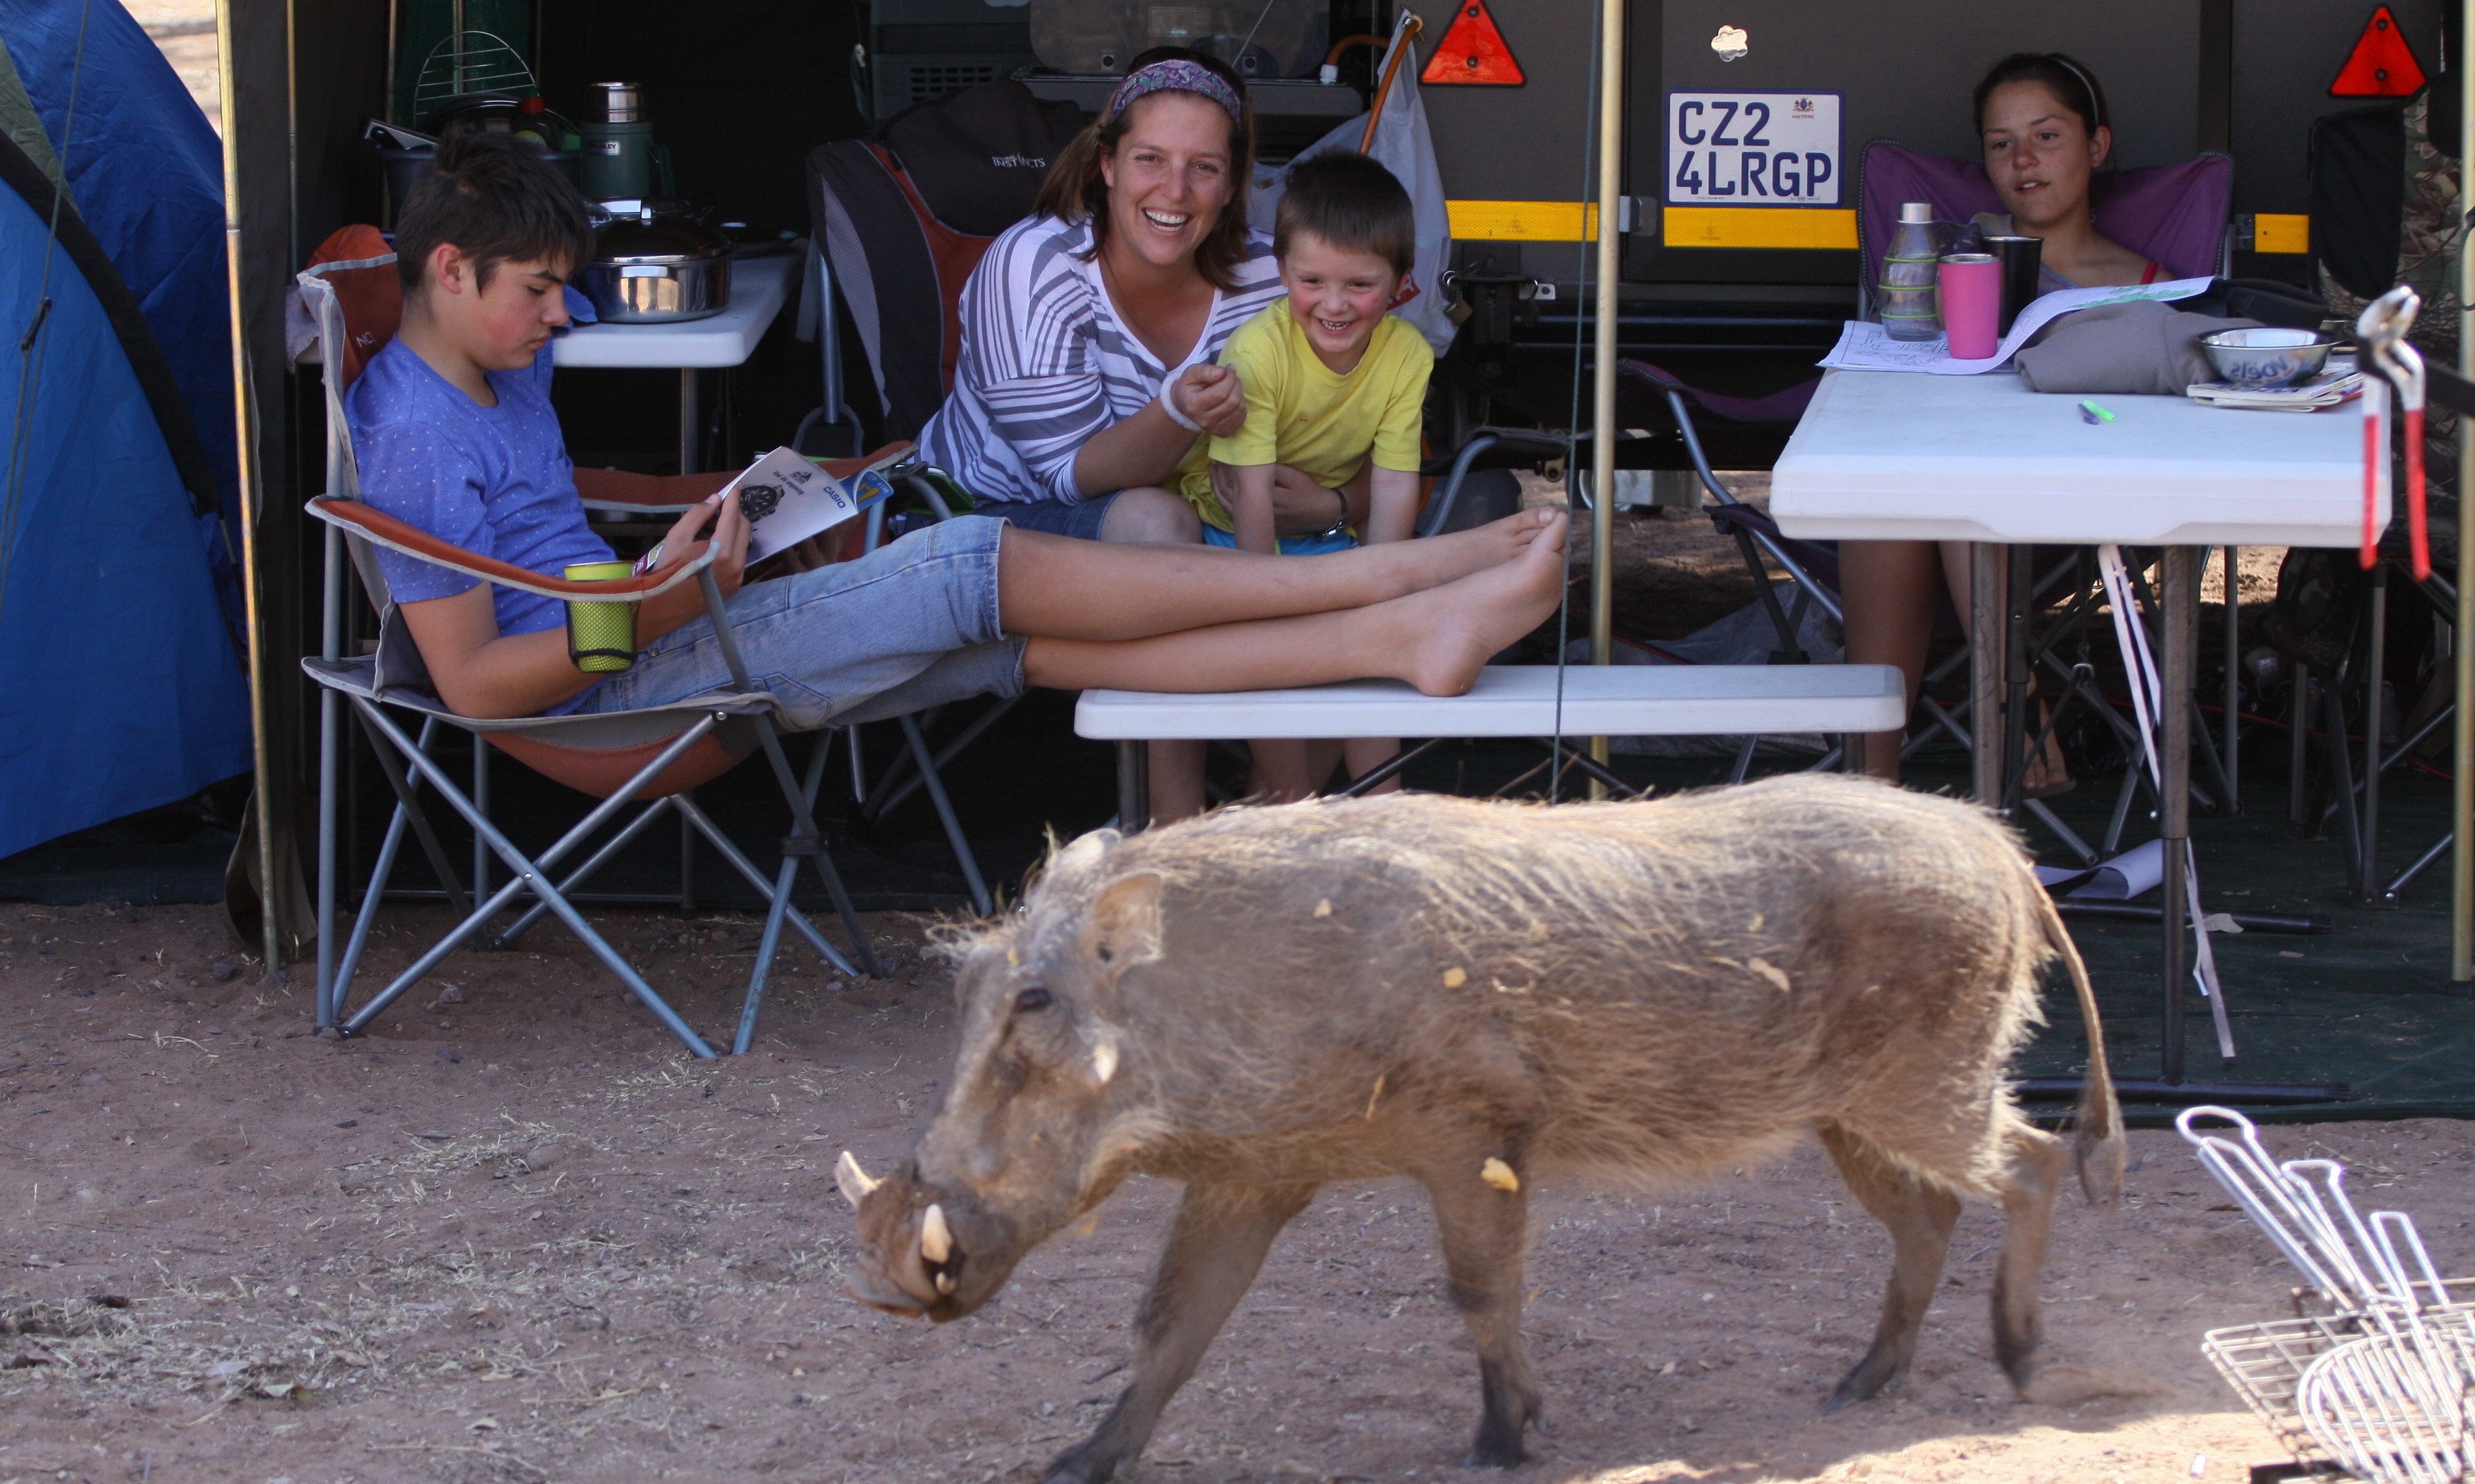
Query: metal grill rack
point(2380, 1382)
point(470, 61)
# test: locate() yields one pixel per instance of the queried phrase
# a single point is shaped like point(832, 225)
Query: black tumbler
point(2020, 257)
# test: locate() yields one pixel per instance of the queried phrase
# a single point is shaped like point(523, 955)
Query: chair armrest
point(361, 522)
point(617, 489)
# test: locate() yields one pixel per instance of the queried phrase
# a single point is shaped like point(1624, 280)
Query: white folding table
point(1911, 457)
point(758, 288)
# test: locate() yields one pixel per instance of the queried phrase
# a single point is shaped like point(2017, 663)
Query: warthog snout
point(912, 1260)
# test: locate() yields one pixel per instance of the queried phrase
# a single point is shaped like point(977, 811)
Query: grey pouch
point(2144, 346)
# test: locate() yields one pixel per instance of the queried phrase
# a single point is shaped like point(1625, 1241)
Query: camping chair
point(897, 223)
point(652, 753)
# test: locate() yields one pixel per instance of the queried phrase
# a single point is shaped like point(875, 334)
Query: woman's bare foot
point(1449, 632)
point(2047, 774)
point(1432, 561)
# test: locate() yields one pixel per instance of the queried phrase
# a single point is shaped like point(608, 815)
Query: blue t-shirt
point(494, 480)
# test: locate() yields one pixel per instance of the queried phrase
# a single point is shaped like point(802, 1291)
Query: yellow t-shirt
point(1301, 413)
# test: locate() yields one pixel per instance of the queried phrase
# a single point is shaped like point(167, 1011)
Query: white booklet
point(1869, 346)
point(787, 498)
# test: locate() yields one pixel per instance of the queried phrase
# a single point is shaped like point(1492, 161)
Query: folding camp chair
point(653, 753)
point(897, 221)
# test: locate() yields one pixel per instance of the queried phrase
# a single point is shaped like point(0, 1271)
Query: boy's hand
point(1213, 397)
point(687, 538)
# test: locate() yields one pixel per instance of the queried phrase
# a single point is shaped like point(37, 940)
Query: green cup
point(600, 636)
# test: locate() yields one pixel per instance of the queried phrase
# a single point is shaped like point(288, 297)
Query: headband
point(2096, 103)
point(1173, 75)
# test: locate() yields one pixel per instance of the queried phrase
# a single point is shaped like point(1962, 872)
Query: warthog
point(1479, 996)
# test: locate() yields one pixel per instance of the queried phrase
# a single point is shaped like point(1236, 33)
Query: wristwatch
point(1340, 523)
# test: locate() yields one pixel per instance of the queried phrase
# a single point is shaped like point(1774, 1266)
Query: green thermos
point(600, 636)
point(618, 161)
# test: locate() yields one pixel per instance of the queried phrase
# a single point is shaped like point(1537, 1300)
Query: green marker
point(2092, 414)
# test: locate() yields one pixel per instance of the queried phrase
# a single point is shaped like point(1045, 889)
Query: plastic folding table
point(758, 288)
point(1912, 457)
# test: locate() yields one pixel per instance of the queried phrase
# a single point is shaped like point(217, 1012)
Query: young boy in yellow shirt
point(1334, 383)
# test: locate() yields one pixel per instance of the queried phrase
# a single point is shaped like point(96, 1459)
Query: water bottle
point(1905, 296)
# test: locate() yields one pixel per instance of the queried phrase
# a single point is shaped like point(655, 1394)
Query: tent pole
point(1602, 386)
point(2462, 806)
point(244, 416)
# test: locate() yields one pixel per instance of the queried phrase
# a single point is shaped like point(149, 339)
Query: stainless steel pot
point(654, 263)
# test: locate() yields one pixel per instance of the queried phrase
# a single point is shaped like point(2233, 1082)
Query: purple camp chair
point(2174, 216)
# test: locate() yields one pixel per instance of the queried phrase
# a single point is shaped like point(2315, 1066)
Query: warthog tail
point(2097, 1119)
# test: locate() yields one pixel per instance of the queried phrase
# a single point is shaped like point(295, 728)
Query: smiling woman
point(1087, 376)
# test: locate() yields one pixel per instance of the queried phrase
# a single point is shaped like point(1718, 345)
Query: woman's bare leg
point(1887, 589)
point(1055, 587)
point(1435, 639)
point(2047, 773)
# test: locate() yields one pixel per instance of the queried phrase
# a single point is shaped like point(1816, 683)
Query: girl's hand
point(1213, 397)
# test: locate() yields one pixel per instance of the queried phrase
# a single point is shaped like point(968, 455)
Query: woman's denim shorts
point(910, 625)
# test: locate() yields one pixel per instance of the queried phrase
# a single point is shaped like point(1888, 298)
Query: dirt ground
point(519, 1236)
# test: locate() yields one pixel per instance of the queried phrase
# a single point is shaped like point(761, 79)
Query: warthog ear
point(1082, 851)
point(1126, 920)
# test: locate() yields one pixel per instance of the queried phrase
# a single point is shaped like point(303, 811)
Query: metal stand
point(1995, 639)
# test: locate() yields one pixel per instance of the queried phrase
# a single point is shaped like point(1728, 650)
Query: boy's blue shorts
point(1290, 545)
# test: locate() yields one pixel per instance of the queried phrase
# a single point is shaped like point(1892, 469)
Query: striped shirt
point(1045, 364)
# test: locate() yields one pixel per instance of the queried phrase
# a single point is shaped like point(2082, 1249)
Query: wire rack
point(470, 61)
point(2380, 1381)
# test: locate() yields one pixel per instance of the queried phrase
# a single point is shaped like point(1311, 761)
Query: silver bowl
point(2267, 358)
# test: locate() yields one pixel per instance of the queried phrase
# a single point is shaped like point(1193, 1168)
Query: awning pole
point(2462, 808)
point(1603, 385)
point(244, 409)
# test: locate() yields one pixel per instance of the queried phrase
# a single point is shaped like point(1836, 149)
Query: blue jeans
point(910, 625)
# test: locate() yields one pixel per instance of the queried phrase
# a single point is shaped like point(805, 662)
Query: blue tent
point(121, 681)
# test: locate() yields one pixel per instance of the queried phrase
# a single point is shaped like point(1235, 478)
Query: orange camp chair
point(652, 753)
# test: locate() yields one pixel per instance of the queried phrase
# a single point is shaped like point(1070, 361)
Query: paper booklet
point(2136, 872)
point(2340, 383)
point(787, 498)
point(1869, 346)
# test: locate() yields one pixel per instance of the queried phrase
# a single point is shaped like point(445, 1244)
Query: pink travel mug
point(1971, 304)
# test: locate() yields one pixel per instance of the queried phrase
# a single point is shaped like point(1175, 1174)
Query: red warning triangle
point(1473, 51)
point(2382, 66)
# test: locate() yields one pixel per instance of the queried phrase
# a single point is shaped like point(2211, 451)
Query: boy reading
point(1334, 382)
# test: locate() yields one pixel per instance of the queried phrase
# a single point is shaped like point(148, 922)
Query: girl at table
point(2042, 120)
point(1087, 375)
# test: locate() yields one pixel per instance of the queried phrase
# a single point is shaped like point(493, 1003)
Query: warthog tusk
point(936, 1243)
point(944, 1283)
point(1104, 1062)
point(853, 1181)
point(1495, 1172)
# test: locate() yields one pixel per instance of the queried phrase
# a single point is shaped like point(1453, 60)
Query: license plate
point(1754, 149)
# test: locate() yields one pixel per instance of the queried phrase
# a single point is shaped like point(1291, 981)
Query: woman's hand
point(687, 539)
point(1212, 398)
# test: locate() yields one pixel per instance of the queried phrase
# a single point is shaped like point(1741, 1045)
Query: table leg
point(2368, 863)
point(2178, 598)
point(1988, 570)
point(2234, 681)
point(1134, 787)
point(688, 421)
point(2020, 583)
